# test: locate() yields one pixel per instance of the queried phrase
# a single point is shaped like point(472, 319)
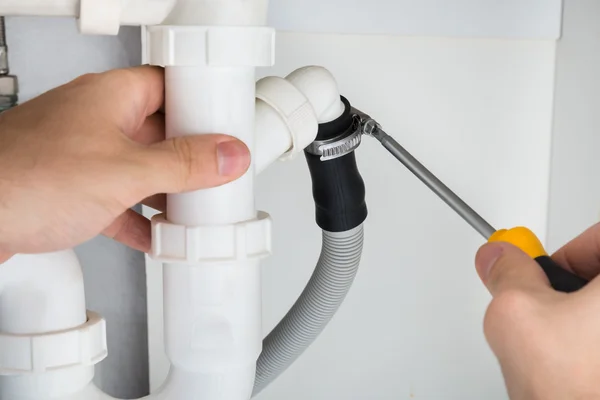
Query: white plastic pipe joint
point(98, 17)
point(49, 343)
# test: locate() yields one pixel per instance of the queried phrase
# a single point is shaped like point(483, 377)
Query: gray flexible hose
point(320, 300)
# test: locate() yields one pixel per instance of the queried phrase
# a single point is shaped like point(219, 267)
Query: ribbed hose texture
point(2, 32)
point(320, 300)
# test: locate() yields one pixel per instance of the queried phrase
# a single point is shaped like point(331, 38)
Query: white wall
point(514, 19)
point(575, 190)
point(478, 113)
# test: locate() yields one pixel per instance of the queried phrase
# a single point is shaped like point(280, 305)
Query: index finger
point(582, 254)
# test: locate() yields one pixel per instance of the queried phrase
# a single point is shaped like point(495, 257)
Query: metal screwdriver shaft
point(559, 278)
point(448, 196)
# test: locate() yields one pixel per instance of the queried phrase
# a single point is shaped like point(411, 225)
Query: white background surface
point(531, 19)
point(478, 113)
point(575, 188)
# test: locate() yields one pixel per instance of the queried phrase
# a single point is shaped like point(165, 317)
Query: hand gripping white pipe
point(49, 344)
point(210, 241)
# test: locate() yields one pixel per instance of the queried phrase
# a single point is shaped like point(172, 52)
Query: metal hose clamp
point(340, 145)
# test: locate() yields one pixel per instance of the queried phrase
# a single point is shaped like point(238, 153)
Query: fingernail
point(486, 259)
point(233, 157)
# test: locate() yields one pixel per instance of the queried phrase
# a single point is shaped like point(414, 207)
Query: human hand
point(75, 160)
point(546, 341)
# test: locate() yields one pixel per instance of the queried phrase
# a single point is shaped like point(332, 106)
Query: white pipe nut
point(172, 243)
point(216, 46)
point(84, 345)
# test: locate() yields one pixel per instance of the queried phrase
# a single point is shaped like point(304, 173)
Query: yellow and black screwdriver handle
point(523, 238)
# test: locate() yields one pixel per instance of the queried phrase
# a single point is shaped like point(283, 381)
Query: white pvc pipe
point(273, 136)
point(219, 13)
point(61, 384)
point(212, 312)
point(41, 293)
point(212, 100)
point(54, 8)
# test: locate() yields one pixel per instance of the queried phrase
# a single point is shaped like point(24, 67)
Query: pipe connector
point(213, 244)
point(84, 345)
point(338, 146)
point(296, 113)
point(95, 17)
point(289, 111)
point(49, 341)
point(321, 89)
point(338, 188)
point(211, 46)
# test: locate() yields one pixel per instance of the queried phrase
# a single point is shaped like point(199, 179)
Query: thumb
point(503, 267)
point(195, 162)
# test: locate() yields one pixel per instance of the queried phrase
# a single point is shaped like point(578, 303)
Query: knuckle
point(185, 160)
point(120, 80)
point(85, 79)
point(512, 308)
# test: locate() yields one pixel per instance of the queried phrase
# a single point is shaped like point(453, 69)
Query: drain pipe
point(49, 342)
point(339, 194)
point(211, 241)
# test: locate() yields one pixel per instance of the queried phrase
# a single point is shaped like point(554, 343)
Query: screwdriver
point(521, 237)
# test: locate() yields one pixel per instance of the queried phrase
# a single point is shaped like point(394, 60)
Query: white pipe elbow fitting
point(289, 111)
point(41, 293)
point(49, 341)
point(321, 89)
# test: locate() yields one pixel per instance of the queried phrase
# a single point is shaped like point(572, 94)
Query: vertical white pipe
point(212, 309)
point(219, 13)
point(212, 329)
point(212, 312)
point(202, 100)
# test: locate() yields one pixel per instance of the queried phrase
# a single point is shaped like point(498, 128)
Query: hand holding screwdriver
point(521, 237)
